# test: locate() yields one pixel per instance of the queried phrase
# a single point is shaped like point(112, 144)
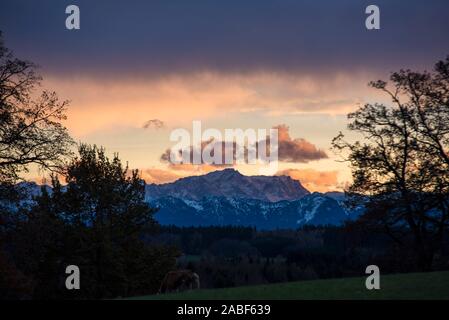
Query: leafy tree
point(31, 133)
point(30, 125)
point(400, 168)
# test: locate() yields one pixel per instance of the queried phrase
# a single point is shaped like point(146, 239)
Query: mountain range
point(230, 183)
point(227, 197)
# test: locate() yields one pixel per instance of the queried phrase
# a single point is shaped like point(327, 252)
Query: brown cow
point(180, 280)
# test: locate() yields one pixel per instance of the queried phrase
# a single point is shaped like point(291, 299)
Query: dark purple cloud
point(295, 150)
point(298, 149)
point(125, 38)
point(211, 145)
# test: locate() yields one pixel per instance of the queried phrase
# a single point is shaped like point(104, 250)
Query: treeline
point(95, 222)
point(236, 256)
point(93, 216)
point(195, 240)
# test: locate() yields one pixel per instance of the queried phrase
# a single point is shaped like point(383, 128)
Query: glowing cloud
point(313, 180)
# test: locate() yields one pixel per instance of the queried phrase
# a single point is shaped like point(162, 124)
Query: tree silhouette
point(96, 222)
point(401, 166)
point(30, 133)
point(30, 124)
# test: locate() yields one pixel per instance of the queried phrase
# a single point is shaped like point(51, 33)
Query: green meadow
point(431, 285)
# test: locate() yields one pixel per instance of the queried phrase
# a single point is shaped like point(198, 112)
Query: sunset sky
point(300, 65)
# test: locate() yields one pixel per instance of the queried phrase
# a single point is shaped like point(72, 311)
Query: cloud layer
point(297, 150)
point(178, 36)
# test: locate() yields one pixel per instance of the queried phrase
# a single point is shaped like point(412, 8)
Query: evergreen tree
point(95, 222)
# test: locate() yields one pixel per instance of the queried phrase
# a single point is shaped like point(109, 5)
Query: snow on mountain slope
point(313, 209)
point(229, 198)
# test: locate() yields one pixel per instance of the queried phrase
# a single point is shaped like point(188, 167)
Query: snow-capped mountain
point(229, 198)
point(230, 183)
point(312, 209)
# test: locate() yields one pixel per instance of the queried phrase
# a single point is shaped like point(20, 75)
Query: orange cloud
point(101, 104)
point(174, 172)
point(313, 180)
point(153, 175)
point(154, 123)
point(188, 167)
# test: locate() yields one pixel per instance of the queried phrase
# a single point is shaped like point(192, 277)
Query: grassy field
point(432, 285)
